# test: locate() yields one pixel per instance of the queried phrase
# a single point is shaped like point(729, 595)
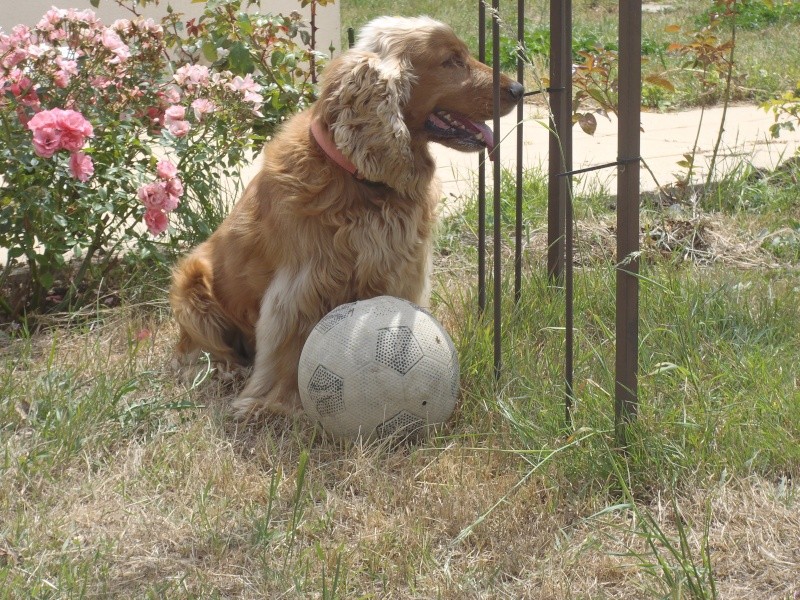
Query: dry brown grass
point(179, 508)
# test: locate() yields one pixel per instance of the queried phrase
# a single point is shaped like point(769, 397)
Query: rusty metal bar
point(559, 207)
point(520, 142)
point(482, 176)
point(497, 209)
point(627, 311)
point(560, 144)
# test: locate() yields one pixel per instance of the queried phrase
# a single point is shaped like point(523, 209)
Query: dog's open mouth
point(458, 131)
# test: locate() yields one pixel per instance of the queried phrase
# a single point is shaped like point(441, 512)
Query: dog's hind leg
point(204, 326)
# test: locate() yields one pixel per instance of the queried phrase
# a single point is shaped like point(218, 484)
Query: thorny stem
point(725, 102)
point(128, 6)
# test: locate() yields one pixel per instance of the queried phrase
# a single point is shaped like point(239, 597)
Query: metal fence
point(560, 216)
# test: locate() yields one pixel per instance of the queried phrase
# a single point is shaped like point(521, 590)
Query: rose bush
point(117, 143)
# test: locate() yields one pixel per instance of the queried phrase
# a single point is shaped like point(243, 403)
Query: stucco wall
point(28, 12)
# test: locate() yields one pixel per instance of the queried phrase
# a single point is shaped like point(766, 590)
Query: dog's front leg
point(291, 307)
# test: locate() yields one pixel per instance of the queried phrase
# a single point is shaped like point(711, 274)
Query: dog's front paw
point(248, 408)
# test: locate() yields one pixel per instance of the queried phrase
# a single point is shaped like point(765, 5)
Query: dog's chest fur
point(383, 248)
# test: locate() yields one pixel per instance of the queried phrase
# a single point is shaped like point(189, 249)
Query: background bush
point(148, 98)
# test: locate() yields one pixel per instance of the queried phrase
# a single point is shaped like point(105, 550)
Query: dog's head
point(406, 82)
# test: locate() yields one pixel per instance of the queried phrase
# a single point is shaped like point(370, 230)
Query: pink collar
point(328, 146)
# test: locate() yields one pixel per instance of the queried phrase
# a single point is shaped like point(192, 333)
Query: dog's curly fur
point(307, 235)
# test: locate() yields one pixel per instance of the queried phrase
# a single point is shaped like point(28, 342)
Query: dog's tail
point(203, 322)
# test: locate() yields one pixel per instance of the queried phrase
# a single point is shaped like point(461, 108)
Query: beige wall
point(28, 12)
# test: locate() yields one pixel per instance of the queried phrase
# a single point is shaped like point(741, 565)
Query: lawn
point(120, 480)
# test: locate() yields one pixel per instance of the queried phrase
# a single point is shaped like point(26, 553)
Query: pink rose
point(81, 166)
point(179, 128)
point(74, 129)
point(156, 221)
point(192, 75)
point(58, 129)
point(174, 119)
point(171, 94)
point(154, 196)
point(111, 40)
point(51, 18)
point(14, 57)
point(101, 83)
point(66, 69)
point(174, 113)
point(46, 140)
point(165, 169)
point(46, 133)
point(23, 89)
point(202, 107)
point(44, 119)
point(122, 25)
point(175, 187)
point(61, 79)
point(171, 203)
point(245, 84)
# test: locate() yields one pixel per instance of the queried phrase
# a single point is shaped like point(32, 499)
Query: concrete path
point(666, 137)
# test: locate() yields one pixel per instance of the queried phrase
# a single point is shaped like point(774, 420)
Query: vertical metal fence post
point(565, 133)
point(520, 142)
point(497, 208)
point(559, 207)
point(482, 176)
point(556, 205)
point(627, 312)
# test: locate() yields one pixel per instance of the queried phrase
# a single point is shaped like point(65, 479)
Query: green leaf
point(239, 59)
point(45, 279)
point(245, 25)
point(210, 51)
point(94, 3)
point(277, 58)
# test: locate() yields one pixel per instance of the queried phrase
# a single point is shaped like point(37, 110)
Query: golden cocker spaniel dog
point(343, 207)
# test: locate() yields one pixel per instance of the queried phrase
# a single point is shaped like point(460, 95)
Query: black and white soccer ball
point(378, 368)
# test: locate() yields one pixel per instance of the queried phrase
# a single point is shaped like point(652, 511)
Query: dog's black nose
point(516, 90)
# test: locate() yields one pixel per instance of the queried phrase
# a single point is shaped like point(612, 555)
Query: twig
point(725, 102)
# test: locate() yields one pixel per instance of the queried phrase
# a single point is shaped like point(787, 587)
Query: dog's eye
point(454, 62)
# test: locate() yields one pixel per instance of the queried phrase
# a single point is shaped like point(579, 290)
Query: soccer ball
point(378, 368)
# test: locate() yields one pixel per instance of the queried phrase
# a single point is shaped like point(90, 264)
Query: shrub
point(115, 142)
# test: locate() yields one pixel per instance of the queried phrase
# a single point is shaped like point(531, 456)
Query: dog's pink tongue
point(488, 137)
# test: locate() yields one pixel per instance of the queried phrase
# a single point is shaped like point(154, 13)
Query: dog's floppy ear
point(362, 103)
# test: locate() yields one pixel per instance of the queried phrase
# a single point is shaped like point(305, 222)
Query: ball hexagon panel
point(372, 394)
point(397, 349)
point(427, 392)
point(402, 424)
point(433, 339)
point(350, 340)
point(337, 315)
point(325, 389)
point(373, 388)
